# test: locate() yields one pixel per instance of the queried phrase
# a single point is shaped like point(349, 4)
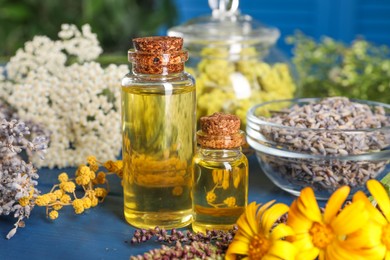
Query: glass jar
point(158, 128)
point(220, 178)
point(234, 60)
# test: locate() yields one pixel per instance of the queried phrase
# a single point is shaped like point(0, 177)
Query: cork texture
point(158, 44)
point(158, 55)
point(220, 131)
point(220, 124)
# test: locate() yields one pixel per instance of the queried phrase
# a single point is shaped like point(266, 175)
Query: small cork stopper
point(156, 44)
point(220, 131)
point(158, 55)
point(220, 124)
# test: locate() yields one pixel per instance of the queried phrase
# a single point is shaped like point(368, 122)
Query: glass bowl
point(294, 155)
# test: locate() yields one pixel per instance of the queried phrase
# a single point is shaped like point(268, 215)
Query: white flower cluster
point(78, 103)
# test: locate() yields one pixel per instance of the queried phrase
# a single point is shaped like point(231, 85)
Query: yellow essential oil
point(220, 177)
point(158, 126)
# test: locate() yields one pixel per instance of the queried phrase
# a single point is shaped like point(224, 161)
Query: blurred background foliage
point(115, 22)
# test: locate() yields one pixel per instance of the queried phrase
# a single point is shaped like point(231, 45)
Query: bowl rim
point(252, 119)
point(381, 155)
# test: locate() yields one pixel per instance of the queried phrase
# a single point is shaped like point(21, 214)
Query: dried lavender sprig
point(194, 250)
point(18, 179)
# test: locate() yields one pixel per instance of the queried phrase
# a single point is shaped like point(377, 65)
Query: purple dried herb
point(188, 245)
point(18, 179)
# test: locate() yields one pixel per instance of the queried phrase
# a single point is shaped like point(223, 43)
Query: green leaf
point(386, 182)
point(15, 12)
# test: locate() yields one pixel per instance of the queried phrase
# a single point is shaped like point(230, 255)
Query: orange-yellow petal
point(297, 220)
point(262, 209)
point(350, 219)
point(283, 250)
point(247, 221)
point(303, 242)
point(281, 231)
point(335, 202)
point(373, 253)
point(250, 213)
point(271, 215)
point(368, 236)
point(242, 237)
point(309, 254)
point(237, 248)
point(375, 214)
point(381, 196)
point(336, 252)
point(308, 205)
point(270, 257)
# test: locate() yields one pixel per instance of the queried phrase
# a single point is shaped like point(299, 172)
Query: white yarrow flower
point(79, 103)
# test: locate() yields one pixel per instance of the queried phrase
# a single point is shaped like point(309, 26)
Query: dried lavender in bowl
point(332, 128)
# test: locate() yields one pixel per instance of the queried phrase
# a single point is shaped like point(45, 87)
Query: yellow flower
point(225, 181)
point(94, 167)
point(87, 203)
point(52, 197)
point(24, 201)
point(377, 231)
point(230, 202)
point(100, 192)
point(57, 206)
point(91, 159)
point(58, 193)
point(94, 201)
point(65, 198)
point(101, 178)
point(68, 186)
point(177, 190)
point(42, 200)
point(53, 214)
point(116, 167)
point(326, 235)
point(82, 179)
point(92, 175)
point(210, 197)
point(78, 206)
point(63, 177)
point(83, 170)
point(258, 237)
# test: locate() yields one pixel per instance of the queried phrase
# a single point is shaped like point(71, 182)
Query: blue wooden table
point(100, 232)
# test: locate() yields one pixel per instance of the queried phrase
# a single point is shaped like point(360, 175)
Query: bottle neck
point(142, 71)
point(220, 154)
point(141, 68)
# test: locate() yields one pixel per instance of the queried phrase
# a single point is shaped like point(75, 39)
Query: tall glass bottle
point(158, 126)
point(220, 178)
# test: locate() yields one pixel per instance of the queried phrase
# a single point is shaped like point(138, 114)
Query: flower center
point(259, 247)
point(386, 236)
point(321, 235)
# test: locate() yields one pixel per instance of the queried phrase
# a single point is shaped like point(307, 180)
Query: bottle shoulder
point(182, 78)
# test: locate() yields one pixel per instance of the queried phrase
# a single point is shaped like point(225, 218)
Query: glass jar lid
point(225, 26)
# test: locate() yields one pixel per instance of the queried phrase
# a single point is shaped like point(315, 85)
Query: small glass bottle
point(158, 129)
point(220, 178)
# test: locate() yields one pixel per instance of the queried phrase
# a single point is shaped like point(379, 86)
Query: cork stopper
point(220, 131)
point(158, 44)
point(158, 55)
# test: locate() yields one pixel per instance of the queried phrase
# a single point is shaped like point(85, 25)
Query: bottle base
point(150, 220)
point(202, 227)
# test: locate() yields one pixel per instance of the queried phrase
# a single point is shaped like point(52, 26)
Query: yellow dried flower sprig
point(93, 183)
